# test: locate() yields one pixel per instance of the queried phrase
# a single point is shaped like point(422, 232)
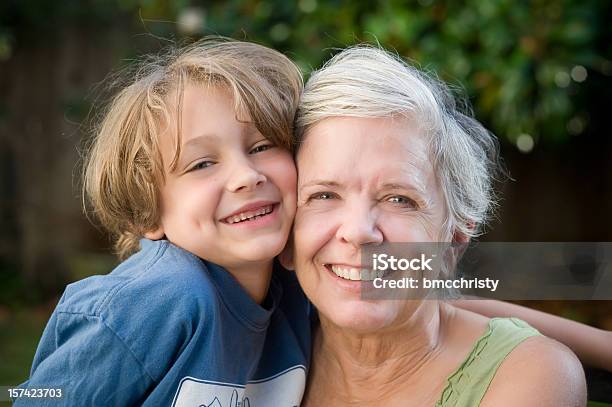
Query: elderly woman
point(385, 156)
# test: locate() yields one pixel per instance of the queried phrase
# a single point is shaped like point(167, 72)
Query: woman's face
point(360, 180)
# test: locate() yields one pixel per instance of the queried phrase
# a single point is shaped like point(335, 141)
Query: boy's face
point(231, 198)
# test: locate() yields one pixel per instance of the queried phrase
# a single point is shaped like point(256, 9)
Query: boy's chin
point(261, 253)
point(261, 256)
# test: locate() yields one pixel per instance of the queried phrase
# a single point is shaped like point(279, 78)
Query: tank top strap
point(468, 384)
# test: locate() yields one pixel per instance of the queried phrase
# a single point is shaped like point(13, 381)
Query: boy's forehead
point(204, 111)
point(214, 93)
point(194, 100)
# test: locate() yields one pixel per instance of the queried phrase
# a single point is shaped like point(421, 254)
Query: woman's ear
point(462, 237)
point(286, 256)
point(457, 248)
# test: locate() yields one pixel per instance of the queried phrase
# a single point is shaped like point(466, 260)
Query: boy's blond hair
point(123, 167)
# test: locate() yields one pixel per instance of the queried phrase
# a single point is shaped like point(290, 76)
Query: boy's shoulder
point(160, 278)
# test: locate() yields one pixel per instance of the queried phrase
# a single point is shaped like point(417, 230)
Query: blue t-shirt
point(166, 328)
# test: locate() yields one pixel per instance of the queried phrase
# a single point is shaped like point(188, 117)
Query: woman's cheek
point(305, 238)
point(314, 227)
point(411, 227)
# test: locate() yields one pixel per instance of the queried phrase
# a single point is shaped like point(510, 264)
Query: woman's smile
point(343, 206)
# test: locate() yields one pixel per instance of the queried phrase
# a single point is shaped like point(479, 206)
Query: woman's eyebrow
point(320, 182)
point(401, 185)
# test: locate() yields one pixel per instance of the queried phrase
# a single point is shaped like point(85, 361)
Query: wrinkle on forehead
point(413, 164)
point(373, 158)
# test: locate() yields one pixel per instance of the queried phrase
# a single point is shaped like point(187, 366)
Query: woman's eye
point(260, 148)
point(323, 196)
point(201, 165)
point(401, 200)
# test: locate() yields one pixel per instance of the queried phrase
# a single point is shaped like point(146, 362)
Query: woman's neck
point(368, 368)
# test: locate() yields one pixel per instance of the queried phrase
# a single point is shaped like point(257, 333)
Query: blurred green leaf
point(509, 55)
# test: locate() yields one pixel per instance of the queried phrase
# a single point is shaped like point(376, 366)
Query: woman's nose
point(359, 226)
point(244, 177)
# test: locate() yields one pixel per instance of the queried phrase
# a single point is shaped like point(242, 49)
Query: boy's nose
point(245, 178)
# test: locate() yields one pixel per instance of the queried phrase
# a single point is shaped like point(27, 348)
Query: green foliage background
point(522, 63)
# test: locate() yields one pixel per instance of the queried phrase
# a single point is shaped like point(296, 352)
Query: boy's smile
point(231, 197)
point(251, 213)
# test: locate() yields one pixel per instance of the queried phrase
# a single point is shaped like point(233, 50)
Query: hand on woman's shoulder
point(539, 372)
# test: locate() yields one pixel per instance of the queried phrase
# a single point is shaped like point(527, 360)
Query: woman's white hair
point(364, 81)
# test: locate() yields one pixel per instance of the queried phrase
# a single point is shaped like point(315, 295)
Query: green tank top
point(468, 384)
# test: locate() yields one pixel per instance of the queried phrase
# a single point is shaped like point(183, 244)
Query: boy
point(192, 158)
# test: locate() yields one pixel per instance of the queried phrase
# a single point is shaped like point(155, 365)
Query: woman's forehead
point(347, 148)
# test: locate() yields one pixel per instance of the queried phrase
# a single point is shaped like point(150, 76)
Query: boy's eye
point(261, 147)
point(201, 165)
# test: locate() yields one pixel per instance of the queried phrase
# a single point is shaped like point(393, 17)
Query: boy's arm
point(83, 357)
point(593, 346)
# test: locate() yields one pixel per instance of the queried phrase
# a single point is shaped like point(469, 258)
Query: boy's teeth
point(355, 274)
point(250, 214)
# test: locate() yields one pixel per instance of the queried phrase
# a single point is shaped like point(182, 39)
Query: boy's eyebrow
point(199, 140)
point(249, 130)
point(191, 145)
point(205, 139)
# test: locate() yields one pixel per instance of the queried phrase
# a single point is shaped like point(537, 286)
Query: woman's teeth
point(250, 215)
point(355, 274)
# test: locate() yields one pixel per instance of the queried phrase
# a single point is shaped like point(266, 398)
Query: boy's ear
point(155, 234)
point(286, 256)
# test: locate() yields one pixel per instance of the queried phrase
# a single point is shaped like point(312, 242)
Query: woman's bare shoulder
point(538, 372)
point(463, 326)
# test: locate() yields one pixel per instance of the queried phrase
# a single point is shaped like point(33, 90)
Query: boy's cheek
point(284, 170)
point(286, 256)
point(288, 191)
